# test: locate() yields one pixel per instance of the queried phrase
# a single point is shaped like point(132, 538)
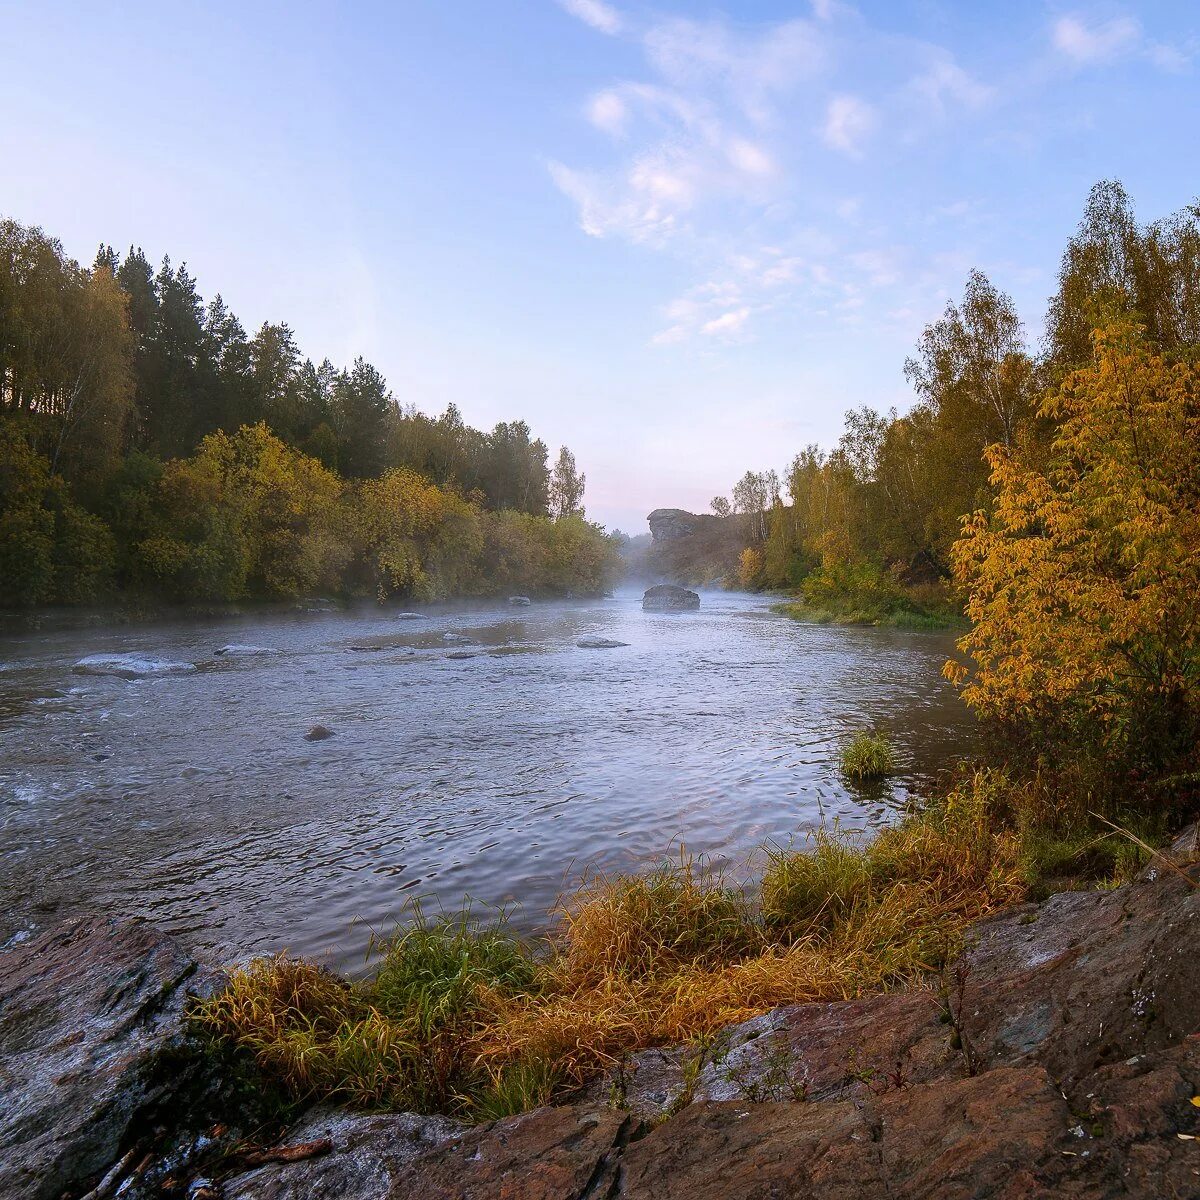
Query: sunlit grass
point(467, 1018)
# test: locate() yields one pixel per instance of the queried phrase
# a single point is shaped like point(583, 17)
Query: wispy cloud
point(849, 121)
point(1088, 44)
point(946, 86)
point(711, 156)
point(1095, 43)
point(595, 13)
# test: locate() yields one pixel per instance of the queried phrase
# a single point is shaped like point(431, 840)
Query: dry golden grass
point(472, 1020)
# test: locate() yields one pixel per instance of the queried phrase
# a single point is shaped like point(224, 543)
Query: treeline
point(868, 528)
point(148, 443)
point(1051, 493)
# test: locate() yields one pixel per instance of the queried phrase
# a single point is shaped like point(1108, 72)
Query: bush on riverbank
point(469, 1019)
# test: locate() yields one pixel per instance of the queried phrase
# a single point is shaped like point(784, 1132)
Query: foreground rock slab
point(89, 1015)
point(1059, 1057)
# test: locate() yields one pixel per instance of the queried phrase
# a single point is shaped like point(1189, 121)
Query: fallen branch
point(111, 1177)
point(1170, 864)
point(287, 1154)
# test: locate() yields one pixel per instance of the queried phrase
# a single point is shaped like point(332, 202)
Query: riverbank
point(1055, 1056)
point(930, 607)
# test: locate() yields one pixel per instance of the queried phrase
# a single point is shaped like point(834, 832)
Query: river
point(195, 800)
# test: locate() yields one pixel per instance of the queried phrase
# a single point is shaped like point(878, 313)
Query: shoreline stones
point(667, 597)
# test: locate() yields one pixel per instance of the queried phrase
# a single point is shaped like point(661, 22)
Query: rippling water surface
point(195, 800)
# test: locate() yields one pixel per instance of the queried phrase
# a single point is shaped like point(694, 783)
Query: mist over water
point(195, 801)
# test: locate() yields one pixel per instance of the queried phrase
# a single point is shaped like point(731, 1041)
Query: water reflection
point(195, 800)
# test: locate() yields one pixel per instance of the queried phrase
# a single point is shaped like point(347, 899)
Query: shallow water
point(195, 800)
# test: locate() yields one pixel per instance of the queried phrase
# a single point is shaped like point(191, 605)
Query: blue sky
point(681, 238)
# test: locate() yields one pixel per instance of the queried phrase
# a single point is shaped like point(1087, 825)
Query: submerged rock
point(318, 733)
point(131, 665)
point(457, 639)
point(462, 654)
point(599, 643)
point(234, 650)
point(667, 597)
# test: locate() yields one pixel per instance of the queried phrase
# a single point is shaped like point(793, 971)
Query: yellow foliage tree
point(421, 540)
point(1084, 583)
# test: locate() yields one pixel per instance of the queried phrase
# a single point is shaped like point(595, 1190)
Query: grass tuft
point(868, 756)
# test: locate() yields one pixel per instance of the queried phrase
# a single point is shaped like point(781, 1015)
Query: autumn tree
point(1084, 580)
point(567, 484)
point(1114, 267)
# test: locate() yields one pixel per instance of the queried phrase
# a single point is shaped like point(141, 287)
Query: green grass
point(867, 757)
point(461, 1016)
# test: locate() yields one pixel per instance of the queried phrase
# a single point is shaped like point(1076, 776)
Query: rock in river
point(519, 601)
point(318, 733)
point(599, 643)
point(130, 666)
point(457, 639)
point(235, 650)
point(666, 597)
point(410, 616)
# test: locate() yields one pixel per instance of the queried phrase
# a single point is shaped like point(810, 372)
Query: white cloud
point(848, 123)
point(748, 158)
point(1095, 44)
point(751, 69)
point(1087, 44)
point(609, 112)
point(595, 13)
point(945, 85)
point(727, 323)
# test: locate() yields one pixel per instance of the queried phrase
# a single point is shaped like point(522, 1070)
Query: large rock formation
point(1060, 1057)
point(671, 524)
point(694, 548)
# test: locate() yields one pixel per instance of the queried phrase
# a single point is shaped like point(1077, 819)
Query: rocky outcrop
point(694, 548)
point(1060, 1057)
point(366, 1154)
point(671, 524)
point(90, 1039)
point(666, 597)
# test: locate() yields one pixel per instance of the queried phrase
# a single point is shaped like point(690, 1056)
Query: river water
point(195, 800)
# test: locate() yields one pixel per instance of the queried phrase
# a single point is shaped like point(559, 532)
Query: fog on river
point(502, 769)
